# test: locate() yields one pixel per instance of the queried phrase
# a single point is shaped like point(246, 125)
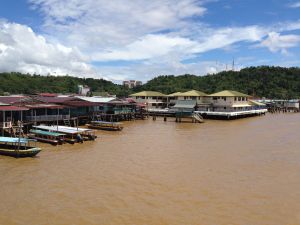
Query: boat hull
point(53, 142)
point(31, 152)
point(109, 128)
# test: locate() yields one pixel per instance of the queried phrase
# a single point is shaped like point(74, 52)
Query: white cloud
point(294, 5)
point(159, 34)
point(276, 42)
point(148, 47)
point(24, 51)
point(104, 24)
point(147, 70)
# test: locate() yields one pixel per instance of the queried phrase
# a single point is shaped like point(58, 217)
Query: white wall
point(228, 101)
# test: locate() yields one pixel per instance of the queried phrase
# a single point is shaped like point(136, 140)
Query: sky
point(140, 39)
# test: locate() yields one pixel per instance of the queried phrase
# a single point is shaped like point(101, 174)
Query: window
point(235, 98)
point(239, 98)
point(215, 98)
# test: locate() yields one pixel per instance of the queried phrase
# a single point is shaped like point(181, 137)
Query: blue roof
point(14, 140)
point(42, 132)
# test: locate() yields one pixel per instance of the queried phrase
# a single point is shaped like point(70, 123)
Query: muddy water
point(153, 172)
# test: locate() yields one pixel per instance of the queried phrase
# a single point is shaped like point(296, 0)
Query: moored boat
point(47, 136)
point(104, 125)
point(72, 134)
point(18, 147)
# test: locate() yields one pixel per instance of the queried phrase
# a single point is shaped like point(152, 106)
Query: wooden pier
point(180, 116)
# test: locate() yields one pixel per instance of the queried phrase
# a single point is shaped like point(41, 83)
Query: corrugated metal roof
point(12, 108)
point(44, 106)
point(192, 93)
point(79, 103)
point(149, 94)
point(1, 104)
point(229, 93)
point(97, 99)
point(12, 99)
point(175, 94)
point(187, 104)
point(252, 102)
point(55, 99)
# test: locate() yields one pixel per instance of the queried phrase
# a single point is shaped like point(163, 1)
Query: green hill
point(15, 83)
point(264, 81)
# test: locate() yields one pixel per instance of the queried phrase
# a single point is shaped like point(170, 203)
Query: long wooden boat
point(104, 125)
point(47, 136)
point(72, 134)
point(18, 147)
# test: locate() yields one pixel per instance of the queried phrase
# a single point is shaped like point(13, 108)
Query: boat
point(18, 147)
point(72, 134)
point(104, 125)
point(53, 138)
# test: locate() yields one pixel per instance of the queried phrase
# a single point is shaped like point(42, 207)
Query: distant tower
point(233, 64)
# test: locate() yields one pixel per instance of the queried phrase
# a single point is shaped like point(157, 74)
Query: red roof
point(44, 106)
point(47, 94)
point(55, 99)
point(11, 99)
point(80, 103)
point(12, 108)
point(130, 100)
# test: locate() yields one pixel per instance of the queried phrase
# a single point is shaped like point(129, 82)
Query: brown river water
point(241, 172)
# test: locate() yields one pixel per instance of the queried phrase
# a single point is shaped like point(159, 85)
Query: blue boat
point(18, 147)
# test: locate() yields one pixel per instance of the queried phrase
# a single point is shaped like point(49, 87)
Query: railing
point(47, 118)
point(6, 125)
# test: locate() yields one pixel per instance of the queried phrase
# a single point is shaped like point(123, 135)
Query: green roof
point(148, 94)
point(190, 104)
point(252, 102)
point(174, 94)
point(228, 93)
point(192, 93)
point(42, 132)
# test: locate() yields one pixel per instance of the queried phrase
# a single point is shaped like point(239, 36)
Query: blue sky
point(140, 39)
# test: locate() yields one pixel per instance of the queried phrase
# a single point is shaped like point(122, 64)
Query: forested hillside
point(31, 84)
point(270, 82)
point(264, 81)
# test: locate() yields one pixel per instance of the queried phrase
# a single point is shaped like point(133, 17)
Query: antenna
point(233, 64)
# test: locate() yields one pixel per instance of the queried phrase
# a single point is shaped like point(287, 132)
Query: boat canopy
point(14, 140)
point(42, 132)
point(63, 129)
